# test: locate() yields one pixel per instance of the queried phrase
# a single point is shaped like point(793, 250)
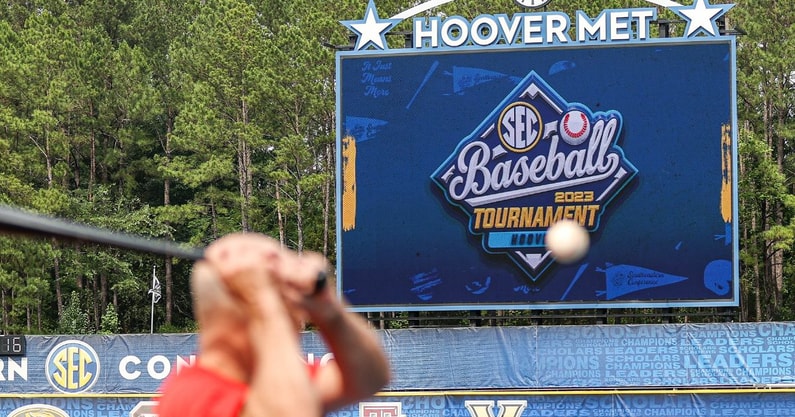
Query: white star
point(371, 29)
point(701, 17)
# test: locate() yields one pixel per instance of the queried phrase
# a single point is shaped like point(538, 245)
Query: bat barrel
point(14, 221)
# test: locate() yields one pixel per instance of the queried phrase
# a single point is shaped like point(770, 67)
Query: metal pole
point(152, 318)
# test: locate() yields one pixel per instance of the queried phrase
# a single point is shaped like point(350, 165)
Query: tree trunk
point(214, 219)
point(94, 302)
point(103, 294)
point(245, 177)
point(47, 154)
point(92, 172)
point(773, 268)
point(299, 216)
point(4, 309)
point(169, 280)
point(754, 300)
point(766, 269)
point(241, 182)
point(56, 270)
point(279, 215)
point(778, 254)
point(757, 292)
point(328, 187)
point(169, 289)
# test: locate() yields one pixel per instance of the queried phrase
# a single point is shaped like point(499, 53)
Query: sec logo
point(520, 127)
point(72, 367)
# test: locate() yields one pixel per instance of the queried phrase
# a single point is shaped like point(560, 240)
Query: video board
point(455, 156)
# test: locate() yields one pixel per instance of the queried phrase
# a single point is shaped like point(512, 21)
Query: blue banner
point(602, 356)
point(575, 405)
point(70, 406)
point(489, 358)
point(123, 364)
point(450, 404)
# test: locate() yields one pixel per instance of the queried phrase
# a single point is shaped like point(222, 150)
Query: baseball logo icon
point(575, 126)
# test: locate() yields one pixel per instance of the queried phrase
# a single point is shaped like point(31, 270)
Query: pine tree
point(110, 321)
point(74, 319)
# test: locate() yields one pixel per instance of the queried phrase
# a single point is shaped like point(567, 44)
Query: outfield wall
point(455, 404)
point(629, 370)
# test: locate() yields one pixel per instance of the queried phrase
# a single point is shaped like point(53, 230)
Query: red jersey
point(198, 392)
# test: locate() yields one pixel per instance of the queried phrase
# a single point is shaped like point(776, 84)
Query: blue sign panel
point(591, 357)
point(594, 404)
point(473, 404)
point(729, 355)
point(93, 364)
point(103, 406)
point(452, 164)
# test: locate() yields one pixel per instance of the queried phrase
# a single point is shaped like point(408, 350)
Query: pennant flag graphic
point(626, 279)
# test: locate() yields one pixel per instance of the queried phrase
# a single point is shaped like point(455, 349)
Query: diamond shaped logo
point(534, 160)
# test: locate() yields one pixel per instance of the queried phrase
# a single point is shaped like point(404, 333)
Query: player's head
point(219, 315)
point(221, 320)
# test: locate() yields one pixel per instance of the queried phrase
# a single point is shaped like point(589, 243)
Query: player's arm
point(279, 384)
point(360, 367)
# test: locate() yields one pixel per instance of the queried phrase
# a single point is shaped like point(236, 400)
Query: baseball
point(567, 241)
point(575, 127)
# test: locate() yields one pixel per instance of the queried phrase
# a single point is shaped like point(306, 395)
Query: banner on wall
point(108, 406)
point(440, 404)
point(575, 405)
point(537, 357)
point(120, 364)
point(589, 357)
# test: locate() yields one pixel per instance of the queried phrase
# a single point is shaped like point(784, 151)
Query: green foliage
point(187, 120)
point(110, 321)
point(765, 97)
point(188, 327)
point(74, 319)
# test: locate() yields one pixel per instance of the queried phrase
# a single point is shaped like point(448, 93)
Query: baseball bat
point(18, 222)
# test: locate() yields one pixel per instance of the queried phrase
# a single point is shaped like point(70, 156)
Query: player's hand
point(240, 257)
point(299, 274)
point(246, 263)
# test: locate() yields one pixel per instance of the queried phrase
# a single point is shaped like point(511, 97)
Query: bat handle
point(321, 282)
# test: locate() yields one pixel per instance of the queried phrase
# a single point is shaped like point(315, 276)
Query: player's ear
point(202, 275)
